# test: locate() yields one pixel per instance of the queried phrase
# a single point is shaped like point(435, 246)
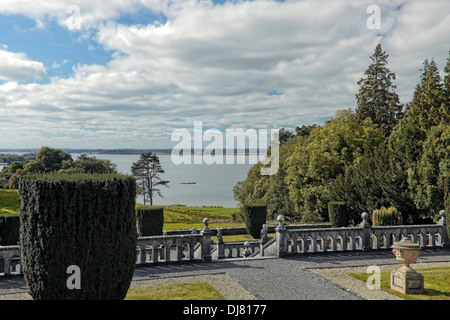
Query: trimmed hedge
point(9, 230)
point(255, 216)
point(338, 214)
point(386, 217)
point(87, 220)
point(150, 221)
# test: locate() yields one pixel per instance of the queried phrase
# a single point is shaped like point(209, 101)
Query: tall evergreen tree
point(428, 103)
point(377, 99)
point(147, 170)
point(446, 91)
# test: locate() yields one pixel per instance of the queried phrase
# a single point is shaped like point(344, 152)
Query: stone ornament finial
point(365, 217)
point(280, 220)
point(443, 219)
point(206, 222)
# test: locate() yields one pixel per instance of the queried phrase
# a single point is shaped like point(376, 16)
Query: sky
point(127, 73)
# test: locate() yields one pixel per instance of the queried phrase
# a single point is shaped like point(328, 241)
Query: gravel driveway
point(302, 277)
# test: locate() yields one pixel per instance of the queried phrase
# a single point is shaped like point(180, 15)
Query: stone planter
point(406, 279)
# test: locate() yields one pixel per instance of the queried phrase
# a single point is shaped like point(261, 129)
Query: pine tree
point(146, 171)
point(377, 99)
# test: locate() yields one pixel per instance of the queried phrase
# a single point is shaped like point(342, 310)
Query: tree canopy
point(53, 160)
point(379, 155)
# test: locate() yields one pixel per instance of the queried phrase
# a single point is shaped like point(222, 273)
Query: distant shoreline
point(137, 151)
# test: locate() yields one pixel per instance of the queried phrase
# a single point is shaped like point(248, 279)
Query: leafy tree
point(284, 135)
point(365, 186)
point(53, 160)
point(323, 156)
point(48, 160)
point(270, 190)
point(377, 99)
point(10, 174)
point(146, 171)
point(427, 179)
point(305, 131)
point(86, 164)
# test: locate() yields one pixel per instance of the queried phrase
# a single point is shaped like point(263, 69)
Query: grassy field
point(9, 203)
point(437, 284)
point(181, 291)
point(176, 217)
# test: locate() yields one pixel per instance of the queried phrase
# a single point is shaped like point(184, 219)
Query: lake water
point(213, 183)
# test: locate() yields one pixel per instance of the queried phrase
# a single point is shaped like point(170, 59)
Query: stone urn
point(406, 279)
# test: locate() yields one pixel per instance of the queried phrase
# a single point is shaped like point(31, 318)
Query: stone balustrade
point(363, 238)
point(10, 260)
point(197, 245)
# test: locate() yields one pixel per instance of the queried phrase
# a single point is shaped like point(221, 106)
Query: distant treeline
point(7, 158)
point(98, 151)
point(31, 153)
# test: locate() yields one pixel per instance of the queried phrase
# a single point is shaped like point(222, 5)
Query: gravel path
point(302, 277)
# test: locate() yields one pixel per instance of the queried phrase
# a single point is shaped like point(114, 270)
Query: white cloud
point(18, 67)
point(217, 64)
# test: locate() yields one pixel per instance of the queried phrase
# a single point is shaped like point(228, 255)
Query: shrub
point(447, 198)
point(87, 220)
point(386, 217)
point(255, 217)
point(150, 221)
point(9, 230)
point(338, 214)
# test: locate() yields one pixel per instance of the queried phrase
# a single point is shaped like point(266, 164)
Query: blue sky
point(135, 70)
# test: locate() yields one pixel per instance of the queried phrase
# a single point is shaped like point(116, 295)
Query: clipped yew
point(9, 230)
point(255, 216)
point(82, 220)
point(150, 221)
point(338, 214)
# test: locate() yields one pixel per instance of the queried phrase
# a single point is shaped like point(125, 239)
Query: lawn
point(181, 291)
point(9, 202)
point(437, 283)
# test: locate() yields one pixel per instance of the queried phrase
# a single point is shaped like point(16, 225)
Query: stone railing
point(363, 238)
point(176, 247)
point(194, 245)
point(10, 260)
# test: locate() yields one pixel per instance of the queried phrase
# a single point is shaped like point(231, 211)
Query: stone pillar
point(264, 237)
point(206, 242)
point(444, 233)
point(281, 237)
point(220, 245)
point(366, 240)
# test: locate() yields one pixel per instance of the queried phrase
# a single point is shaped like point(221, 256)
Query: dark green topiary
point(255, 216)
point(338, 214)
point(87, 220)
point(9, 230)
point(150, 221)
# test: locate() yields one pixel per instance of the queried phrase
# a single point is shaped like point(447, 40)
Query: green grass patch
point(176, 217)
point(181, 291)
point(9, 202)
point(436, 281)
